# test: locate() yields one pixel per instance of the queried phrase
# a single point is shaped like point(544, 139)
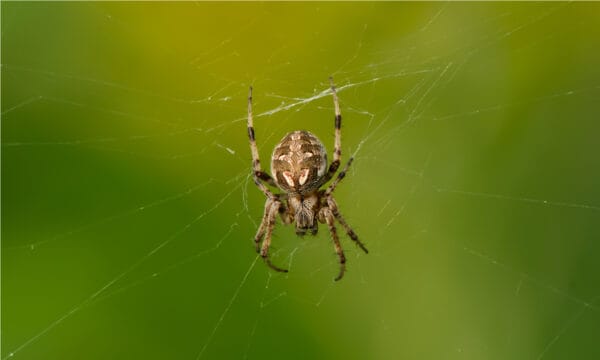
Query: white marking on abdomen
point(288, 178)
point(303, 176)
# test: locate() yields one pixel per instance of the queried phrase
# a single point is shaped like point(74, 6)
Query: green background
point(128, 213)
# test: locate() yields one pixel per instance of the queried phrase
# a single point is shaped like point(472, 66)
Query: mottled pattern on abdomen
point(299, 162)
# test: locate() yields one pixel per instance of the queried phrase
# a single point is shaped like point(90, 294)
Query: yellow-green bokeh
point(128, 213)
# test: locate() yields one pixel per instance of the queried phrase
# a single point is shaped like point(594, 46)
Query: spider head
point(299, 162)
point(304, 209)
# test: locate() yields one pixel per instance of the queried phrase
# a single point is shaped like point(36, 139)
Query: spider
point(299, 168)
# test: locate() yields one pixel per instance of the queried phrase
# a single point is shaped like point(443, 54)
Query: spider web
point(128, 210)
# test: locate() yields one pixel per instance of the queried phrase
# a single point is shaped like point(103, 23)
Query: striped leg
point(332, 204)
point(260, 233)
point(337, 150)
point(269, 221)
point(329, 218)
point(339, 178)
point(260, 177)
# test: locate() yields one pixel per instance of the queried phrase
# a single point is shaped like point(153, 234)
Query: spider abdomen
point(299, 162)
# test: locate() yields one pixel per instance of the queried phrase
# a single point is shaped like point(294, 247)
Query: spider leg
point(337, 153)
point(285, 215)
point(265, 177)
point(270, 224)
point(258, 174)
point(260, 233)
point(332, 204)
point(337, 150)
point(327, 215)
point(339, 178)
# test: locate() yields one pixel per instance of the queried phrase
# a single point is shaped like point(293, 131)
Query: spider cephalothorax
point(299, 168)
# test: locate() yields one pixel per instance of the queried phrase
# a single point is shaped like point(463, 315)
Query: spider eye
point(287, 175)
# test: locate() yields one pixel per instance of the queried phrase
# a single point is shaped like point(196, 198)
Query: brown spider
point(299, 166)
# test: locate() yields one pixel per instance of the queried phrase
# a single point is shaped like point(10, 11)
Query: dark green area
point(128, 213)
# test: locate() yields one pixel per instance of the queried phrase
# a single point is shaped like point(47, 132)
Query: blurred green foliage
point(128, 213)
